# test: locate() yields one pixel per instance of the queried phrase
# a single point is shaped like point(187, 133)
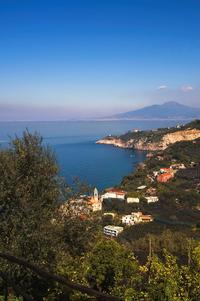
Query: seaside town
point(87, 204)
point(139, 201)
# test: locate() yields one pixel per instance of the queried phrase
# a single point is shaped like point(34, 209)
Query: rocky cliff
point(115, 142)
point(143, 143)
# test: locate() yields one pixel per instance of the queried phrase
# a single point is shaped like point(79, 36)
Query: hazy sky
point(79, 58)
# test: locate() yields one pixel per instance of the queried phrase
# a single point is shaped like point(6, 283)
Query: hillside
point(168, 110)
point(154, 140)
point(178, 196)
point(177, 212)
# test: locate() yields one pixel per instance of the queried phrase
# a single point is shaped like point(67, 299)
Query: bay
point(77, 154)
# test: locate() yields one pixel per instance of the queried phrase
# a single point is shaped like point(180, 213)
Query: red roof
point(118, 191)
point(165, 177)
point(146, 218)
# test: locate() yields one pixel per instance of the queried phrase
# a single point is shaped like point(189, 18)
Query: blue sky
point(80, 58)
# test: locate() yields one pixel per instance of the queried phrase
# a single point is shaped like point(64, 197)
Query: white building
point(136, 216)
point(152, 199)
point(128, 220)
point(112, 214)
point(133, 200)
point(156, 173)
point(141, 187)
point(139, 217)
point(178, 166)
point(114, 194)
point(112, 230)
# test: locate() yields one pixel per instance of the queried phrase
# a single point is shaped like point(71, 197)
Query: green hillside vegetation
point(152, 136)
point(154, 261)
point(178, 198)
point(185, 151)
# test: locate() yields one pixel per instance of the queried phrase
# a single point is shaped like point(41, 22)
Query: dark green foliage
point(134, 180)
point(195, 124)
point(29, 192)
point(185, 151)
point(78, 234)
point(149, 136)
point(112, 268)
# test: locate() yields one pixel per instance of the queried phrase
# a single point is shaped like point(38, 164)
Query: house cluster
point(129, 220)
point(149, 199)
point(166, 173)
point(136, 218)
point(86, 204)
point(119, 194)
point(83, 205)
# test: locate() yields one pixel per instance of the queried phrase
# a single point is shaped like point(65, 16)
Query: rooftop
point(117, 190)
point(111, 227)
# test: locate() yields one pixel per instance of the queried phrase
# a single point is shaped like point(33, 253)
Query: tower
point(96, 194)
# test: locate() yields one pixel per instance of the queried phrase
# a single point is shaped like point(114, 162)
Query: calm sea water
point(78, 155)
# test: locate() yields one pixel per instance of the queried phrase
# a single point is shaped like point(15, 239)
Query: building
point(113, 231)
point(141, 187)
point(128, 220)
point(111, 214)
point(146, 218)
point(149, 177)
point(166, 173)
point(178, 166)
point(152, 199)
point(152, 191)
point(166, 170)
point(135, 130)
point(160, 158)
point(165, 177)
point(139, 217)
point(156, 173)
point(132, 200)
point(114, 194)
point(136, 218)
point(95, 202)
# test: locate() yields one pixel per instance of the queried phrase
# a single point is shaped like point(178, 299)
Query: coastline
point(147, 142)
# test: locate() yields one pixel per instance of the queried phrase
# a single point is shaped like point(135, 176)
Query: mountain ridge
point(167, 110)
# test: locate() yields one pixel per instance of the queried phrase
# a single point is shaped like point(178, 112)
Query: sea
point(78, 156)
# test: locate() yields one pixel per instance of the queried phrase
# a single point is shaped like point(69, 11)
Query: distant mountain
point(168, 110)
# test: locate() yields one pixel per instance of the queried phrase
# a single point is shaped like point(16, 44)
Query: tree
point(111, 268)
point(165, 280)
point(29, 193)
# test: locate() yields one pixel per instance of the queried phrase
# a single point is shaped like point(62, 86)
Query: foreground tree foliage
point(112, 268)
point(29, 192)
point(32, 228)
